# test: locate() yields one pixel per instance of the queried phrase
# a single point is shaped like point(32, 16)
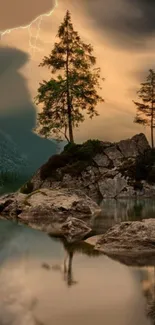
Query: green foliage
point(73, 160)
point(27, 188)
point(145, 166)
point(74, 90)
point(142, 169)
point(146, 108)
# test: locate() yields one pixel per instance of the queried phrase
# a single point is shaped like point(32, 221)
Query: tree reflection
point(148, 285)
point(70, 251)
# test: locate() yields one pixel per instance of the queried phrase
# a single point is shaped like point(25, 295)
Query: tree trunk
point(152, 138)
point(152, 111)
point(71, 138)
point(69, 107)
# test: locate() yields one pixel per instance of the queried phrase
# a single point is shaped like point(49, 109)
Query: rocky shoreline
point(61, 198)
point(58, 212)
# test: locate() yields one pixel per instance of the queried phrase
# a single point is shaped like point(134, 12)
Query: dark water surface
point(38, 286)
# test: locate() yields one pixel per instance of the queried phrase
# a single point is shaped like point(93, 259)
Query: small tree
point(71, 92)
point(146, 109)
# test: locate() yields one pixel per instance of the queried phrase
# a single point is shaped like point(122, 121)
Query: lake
point(39, 286)
point(115, 211)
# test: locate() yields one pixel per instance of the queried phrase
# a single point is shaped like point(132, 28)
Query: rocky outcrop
point(56, 211)
point(100, 169)
point(132, 243)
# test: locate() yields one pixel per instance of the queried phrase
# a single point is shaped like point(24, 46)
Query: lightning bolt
point(38, 20)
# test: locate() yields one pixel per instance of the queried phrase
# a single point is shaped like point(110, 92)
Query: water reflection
point(115, 211)
point(69, 251)
point(147, 279)
point(35, 291)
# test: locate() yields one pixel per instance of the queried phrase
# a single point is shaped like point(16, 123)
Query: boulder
point(129, 236)
point(60, 211)
point(131, 243)
point(75, 230)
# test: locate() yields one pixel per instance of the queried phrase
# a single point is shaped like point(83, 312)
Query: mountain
point(15, 166)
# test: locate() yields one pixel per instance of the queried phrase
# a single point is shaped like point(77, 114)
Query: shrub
point(138, 186)
point(74, 159)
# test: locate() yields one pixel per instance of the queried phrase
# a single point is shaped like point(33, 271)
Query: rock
point(114, 155)
point(135, 146)
point(131, 243)
point(112, 187)
point(93, 240)
point(102, 160)
point(75, 230)
point(60, 211)
point(128, 148)
point(141, 142)
point(133, 236)
point(101, 169)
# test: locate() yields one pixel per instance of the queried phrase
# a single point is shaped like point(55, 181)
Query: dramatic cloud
point(122, 34)
point(18, 12)
point(17, 111)
point(128, 23)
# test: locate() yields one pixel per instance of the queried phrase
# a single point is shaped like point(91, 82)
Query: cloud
point(12, 58)
point(16, 13)
point(128, 23)
point(17, 111)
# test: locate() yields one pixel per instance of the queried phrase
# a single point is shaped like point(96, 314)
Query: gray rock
point(102, 160)
point(133, 147)
point(128, 148)
point(112, 187)
point(114, 155)
point(141, 141)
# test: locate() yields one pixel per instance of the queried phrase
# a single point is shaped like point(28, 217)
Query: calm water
point(114, 211)
point(37, 286)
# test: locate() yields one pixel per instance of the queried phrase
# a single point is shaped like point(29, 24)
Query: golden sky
point(123, 38)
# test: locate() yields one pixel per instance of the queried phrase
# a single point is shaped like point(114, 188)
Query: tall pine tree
point(146, 109)
point(65, 97)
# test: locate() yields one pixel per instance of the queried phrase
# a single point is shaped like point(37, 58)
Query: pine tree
point(146, 109)
point(65, 97)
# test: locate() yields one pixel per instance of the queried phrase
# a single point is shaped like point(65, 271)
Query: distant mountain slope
point(15, 166)
point(10, 158)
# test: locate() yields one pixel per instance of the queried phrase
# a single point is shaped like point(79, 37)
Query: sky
point(122, 33)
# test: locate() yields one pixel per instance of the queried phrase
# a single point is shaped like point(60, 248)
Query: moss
point(32, 193)
point(74, 156)
point(27, 188)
